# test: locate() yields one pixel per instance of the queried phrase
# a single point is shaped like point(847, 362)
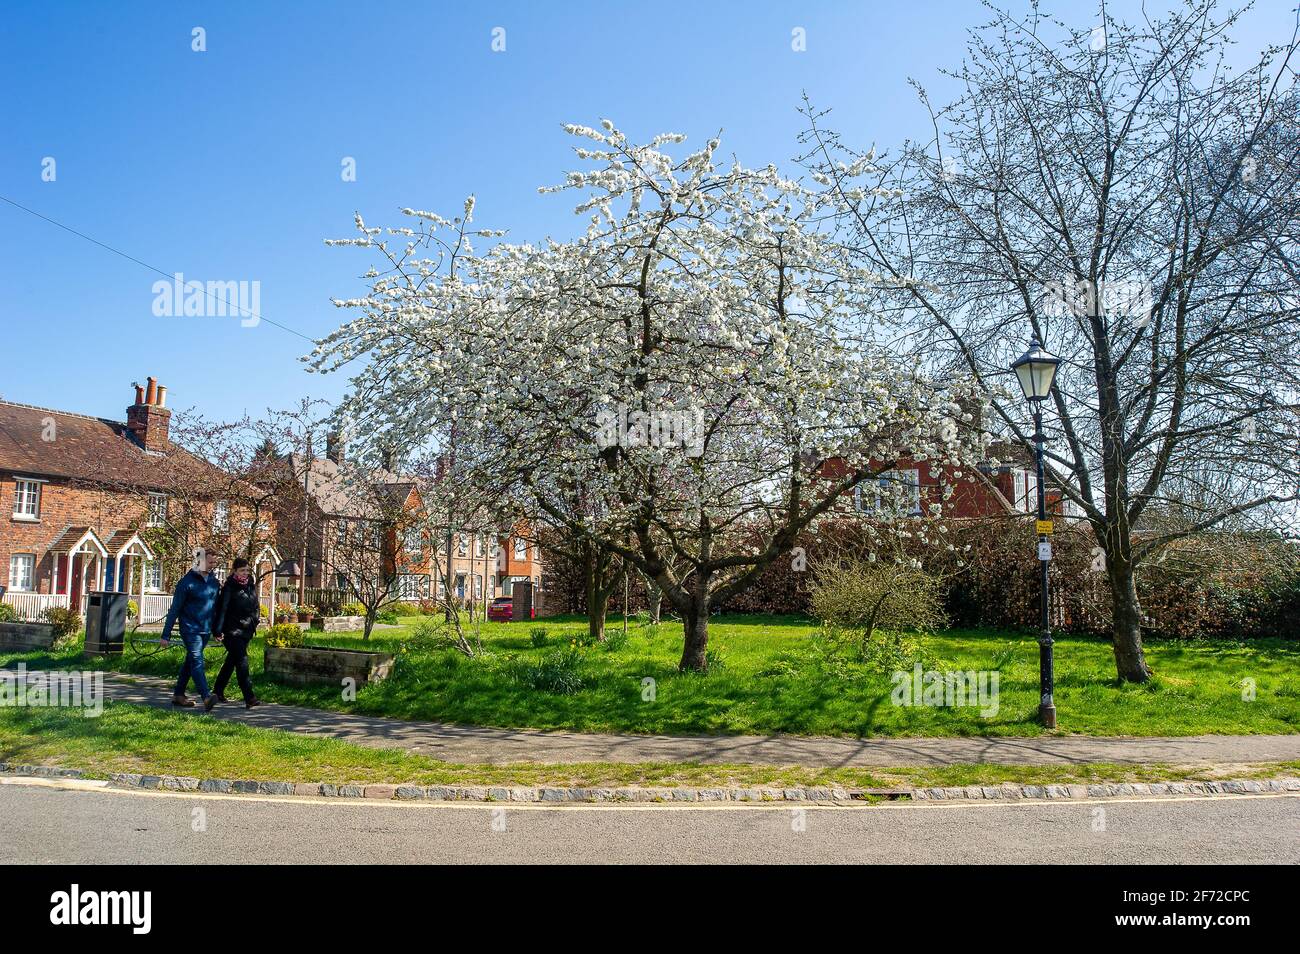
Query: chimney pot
point(151, 394)
point(139, 395)
point(162, 396)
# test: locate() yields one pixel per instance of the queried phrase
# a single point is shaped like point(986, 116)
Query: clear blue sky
point(225, 165)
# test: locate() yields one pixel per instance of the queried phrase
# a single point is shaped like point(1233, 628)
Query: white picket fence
point(30, 606)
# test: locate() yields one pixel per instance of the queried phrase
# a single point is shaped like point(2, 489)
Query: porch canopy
point(127, 545)
point(78, 542)
point(271, 555)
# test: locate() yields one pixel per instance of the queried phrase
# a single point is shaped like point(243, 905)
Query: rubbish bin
point(105, 623)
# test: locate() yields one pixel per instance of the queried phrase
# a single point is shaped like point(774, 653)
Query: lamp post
point(1036, 370)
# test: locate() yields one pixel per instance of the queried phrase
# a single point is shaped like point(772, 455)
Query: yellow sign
point(1043, 526)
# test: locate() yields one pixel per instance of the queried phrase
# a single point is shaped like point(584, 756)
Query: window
point(153, 576)
point(22, 572)
point(894, 492)
point(157, 510)
point(1026, 491)
point(413, 541)
point(341, 532)
point(478, 545)
point(521, 548)
point(27, 500)
point(460, 586)
point(412, 587)
point(478, 586)
point(220, 516)
point(462, 545)
point(442, 591)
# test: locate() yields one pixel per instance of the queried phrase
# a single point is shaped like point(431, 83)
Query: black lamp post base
point(1047, 715)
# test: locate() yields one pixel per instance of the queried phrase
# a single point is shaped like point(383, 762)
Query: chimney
point(388, 459)
point(147, 418)
point(335, 447)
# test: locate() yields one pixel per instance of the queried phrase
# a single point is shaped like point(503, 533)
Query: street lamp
point(1036, 370)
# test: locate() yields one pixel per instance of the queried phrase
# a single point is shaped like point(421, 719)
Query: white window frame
point(153, 576)
point(157, 512)
point(27, 499)
point(16, 584)
point(478, 546)
point(1025, 489)
point(873, 501)
point(220, 516)
point(413, 541)
point(521, 549)
point(412, 587)
point(462, 545)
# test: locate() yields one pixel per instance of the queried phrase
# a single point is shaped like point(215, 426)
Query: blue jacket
point(192, 605)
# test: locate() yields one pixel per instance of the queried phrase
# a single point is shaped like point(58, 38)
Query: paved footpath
point(477, 744)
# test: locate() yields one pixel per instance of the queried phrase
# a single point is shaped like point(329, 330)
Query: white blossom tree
point(1120, 193)
point(688, 363)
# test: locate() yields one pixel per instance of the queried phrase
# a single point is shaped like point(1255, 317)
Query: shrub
point(386, 616)
point(7, 613)
point(66, 622)
point(132, 609)
point(861, 595)
point(615, 639)
point(404, 609)
point(284, 636)
point(537, 635)
point(560, 672)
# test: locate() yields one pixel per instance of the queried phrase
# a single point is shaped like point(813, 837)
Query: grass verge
point(131, 738)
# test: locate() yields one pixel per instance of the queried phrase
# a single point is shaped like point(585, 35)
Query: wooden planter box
point(338, 624)
point(308, 665)
point(24, 637)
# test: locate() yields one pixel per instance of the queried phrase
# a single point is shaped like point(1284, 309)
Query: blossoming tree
point(684, 367)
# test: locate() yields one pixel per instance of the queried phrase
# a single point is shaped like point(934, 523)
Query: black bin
point(105, 623)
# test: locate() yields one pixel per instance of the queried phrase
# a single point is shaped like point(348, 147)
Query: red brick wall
point(62, 505)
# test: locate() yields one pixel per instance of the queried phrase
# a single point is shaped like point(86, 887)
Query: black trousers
point(236, 662)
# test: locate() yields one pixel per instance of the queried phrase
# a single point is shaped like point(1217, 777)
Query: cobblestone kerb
point(554, 795)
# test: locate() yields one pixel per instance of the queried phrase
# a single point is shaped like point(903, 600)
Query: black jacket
point(238, 610)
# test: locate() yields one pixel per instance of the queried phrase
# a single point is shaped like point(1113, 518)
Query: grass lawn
point(772, 674)
point(129, 738)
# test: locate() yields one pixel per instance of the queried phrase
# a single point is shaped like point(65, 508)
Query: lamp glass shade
point(1036, 369)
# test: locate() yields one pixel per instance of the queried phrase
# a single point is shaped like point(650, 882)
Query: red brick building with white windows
point(92, 504)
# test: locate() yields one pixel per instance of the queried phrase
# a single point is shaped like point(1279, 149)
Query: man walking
point(192, 607)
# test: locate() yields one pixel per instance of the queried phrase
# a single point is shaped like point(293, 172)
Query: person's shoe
point(209, 702)
point(249, 703)
point(221, 697)
point(183, 702)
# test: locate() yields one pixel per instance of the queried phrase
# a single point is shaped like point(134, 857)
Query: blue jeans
point(193, 665)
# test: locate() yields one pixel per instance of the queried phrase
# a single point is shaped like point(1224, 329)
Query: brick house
point(342, 503)
point(96, 504)
point(912, 488)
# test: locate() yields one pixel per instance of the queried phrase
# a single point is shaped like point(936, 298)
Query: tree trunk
point(370, 624)
point(1130, 660)
point(655, 600)
point(597, 607)
point(695, 649)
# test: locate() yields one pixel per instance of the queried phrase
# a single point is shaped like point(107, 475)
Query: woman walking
point(235, 622)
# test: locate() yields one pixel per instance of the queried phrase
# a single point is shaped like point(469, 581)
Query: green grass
point(776, 677)
point(130, 738)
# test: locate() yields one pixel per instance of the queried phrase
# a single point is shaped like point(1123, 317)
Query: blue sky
point(225, 165)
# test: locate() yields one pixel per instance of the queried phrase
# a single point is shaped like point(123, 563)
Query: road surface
point(66, 822)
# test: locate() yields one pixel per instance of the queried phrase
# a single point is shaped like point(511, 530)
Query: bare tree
point(1122, 194)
